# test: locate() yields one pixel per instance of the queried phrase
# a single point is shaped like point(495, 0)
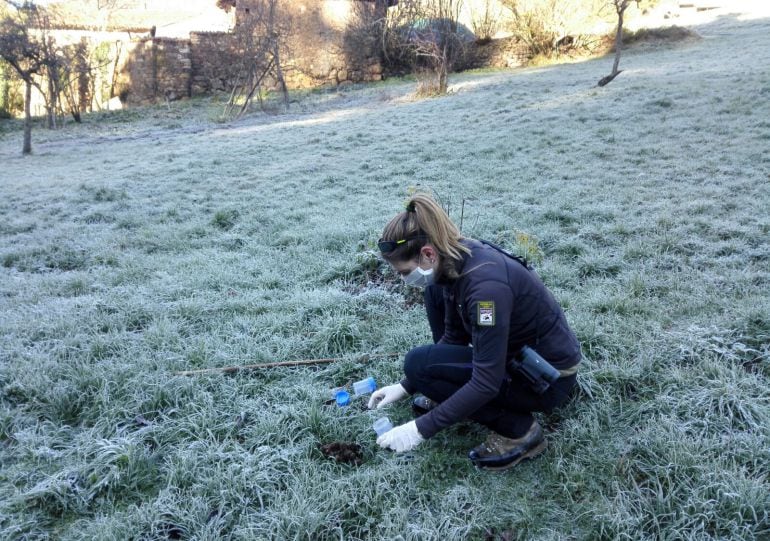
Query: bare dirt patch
point(343, 452)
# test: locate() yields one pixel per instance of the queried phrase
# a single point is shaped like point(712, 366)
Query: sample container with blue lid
point(382, 425)
point(365, 386)
point(342, 398)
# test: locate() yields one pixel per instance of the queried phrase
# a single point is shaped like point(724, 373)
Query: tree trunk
point(618, 41)
point(27, 148)
point(442, 79)
point(380, 10)
point(621, 8)
point(114, 76)
point(5, 94)
point(154, 66)
point(274, 38)
point(443, 70)
point(83, 70)
point(279, 76)
point(254, 87)
point(51, 105)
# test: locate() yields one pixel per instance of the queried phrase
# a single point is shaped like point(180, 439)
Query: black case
point(534, 368)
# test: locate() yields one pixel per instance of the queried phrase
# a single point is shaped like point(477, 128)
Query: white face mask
point(419, 278)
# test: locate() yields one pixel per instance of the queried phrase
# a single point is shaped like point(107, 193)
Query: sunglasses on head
point(387, 246)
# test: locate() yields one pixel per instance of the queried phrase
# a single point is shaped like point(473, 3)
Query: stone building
point(166, 49)
point(317, 39)
point(314, 52)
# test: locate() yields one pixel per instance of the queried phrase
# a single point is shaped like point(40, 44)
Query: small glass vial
point(382, 425)
point(365, 386)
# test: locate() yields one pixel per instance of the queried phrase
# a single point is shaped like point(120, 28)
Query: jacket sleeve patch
point(486, 314)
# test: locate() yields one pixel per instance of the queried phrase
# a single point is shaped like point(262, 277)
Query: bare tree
point(24, 53)
point(396, 51)
point(6, 105)
point(620, 7)
point(363, 35)
point(262, 31)
point(486, 22)
point(106, 9)
point(277, 28)
point(75, 79)
point(53, 60)
point(439, 44)
point(428, 35)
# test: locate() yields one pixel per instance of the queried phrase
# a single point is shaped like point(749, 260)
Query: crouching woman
point(485, 308)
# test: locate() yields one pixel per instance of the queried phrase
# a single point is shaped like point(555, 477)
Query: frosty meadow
point(155, 241)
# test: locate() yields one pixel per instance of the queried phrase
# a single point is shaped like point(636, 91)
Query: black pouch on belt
point(539, 372)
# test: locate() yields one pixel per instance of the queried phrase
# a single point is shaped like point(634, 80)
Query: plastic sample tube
point(365, 386)
point(382, 425)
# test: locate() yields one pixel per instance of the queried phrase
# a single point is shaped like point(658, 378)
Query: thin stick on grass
point(304, 362)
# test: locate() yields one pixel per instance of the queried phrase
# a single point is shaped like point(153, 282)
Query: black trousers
point(439, 370)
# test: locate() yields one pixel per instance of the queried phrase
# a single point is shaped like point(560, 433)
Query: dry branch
point(304, 362)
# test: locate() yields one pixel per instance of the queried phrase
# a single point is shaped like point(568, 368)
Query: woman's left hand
point(402, 438)
point(387, 395)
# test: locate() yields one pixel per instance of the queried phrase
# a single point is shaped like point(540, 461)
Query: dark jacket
point(498, 305)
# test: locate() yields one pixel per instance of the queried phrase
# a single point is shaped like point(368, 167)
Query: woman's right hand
point(386, 395)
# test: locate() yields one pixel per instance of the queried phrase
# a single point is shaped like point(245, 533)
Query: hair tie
point(410, 206)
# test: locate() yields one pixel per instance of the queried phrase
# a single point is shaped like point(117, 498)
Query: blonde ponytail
point(423, 222)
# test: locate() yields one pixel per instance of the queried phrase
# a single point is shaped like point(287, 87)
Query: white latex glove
point(387, 395)
point(402, 438)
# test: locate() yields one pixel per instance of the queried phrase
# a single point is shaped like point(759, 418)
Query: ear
point(429, 252)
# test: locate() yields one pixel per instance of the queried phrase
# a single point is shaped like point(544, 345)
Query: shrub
point(486, 22)
point(11, 100)
point(548, 27)
point(666, 34)
point(60, 257)
point(425, 38)
point(225, 219)
point(363, 39)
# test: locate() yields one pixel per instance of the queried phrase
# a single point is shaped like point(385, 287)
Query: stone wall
point(311, 60)
point(156, 68)
point(166, 68)
point(216, 61)
point(316, 51)
point(321, 51)
point(499, 53)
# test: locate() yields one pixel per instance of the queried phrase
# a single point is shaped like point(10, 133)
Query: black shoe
point(500, 453)
point(422, 405)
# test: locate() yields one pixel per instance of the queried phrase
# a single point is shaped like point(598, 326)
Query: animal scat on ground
point(344, 452)
point(493, 535)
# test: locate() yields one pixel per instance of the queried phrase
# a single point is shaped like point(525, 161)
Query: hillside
point(153, 241)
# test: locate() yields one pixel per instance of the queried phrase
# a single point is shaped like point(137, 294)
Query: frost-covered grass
point(162, 241)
